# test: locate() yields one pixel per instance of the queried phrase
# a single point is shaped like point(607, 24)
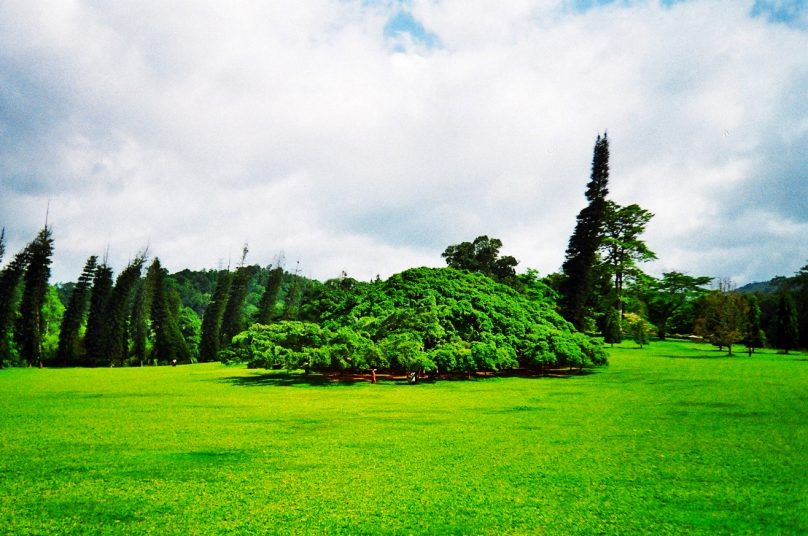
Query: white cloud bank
point(313, 129)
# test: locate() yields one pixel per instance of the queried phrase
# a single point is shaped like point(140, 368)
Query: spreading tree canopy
point(423, 319)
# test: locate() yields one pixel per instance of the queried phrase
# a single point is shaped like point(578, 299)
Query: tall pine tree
point(233, 317)
point(117, 310)
point(140, 317)
point(786, 324)
point(9, 281)
point(212, 321)
point(75, 313)
point(37, 274)
point(586, 239)
point(94, 336)
point(266, 307)
point(168, 341)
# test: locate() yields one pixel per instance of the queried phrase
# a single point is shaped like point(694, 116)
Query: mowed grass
point(674, 438)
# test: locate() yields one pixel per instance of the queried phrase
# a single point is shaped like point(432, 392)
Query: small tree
point(755, 336)
point(725, 318)
point(639, 332)
point(612, 330)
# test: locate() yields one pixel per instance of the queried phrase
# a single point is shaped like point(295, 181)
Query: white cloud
point(302, 127)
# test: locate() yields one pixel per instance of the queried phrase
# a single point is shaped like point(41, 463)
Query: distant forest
point(477, 314)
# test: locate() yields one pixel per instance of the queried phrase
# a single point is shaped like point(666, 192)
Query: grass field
point(673, 438)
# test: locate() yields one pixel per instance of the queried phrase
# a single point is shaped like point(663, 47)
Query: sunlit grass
point(669, 439)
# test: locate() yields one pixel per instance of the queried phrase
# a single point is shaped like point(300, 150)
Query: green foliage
point(725, 318)
point(52, 315)
point(622, 247)
point(422, 320)
point(583, 245)
point(640, 332)
point(671, 294)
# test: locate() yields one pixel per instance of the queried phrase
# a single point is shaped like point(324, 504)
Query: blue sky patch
point(404, 23)
point(789, 12)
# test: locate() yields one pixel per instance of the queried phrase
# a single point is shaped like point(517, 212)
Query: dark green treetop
point(482, 255)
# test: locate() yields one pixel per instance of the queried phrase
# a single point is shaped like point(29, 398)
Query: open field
point(670, 439)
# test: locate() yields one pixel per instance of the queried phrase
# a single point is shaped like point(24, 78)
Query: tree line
point(146, 315)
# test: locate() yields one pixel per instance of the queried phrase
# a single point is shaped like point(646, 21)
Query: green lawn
point(673, 438)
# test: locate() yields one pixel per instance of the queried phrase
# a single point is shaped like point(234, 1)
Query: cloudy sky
point(366, 136)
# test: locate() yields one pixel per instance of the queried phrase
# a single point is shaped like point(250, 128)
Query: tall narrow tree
point(786, 323)
point(233, 318)
point(212, 320)
point(94, 336)
point(75, 313)
point(10, 278)
point(585, 240)
point(140, 318)
point(169, 344)
point(37, 274)
point(2, 243)
point(117, 310)
point(266, 307)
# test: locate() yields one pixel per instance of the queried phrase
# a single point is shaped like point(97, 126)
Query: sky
point(366, 136)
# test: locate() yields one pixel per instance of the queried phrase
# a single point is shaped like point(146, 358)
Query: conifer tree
point(168, 341)
point(117, 309)
point(786, 324)
point(37, 274)
point(94, 340)
point(212, 320)
point(232, 319)
point(10, 278)
point(2, 243)
point(755, 336)
point(266, 307)
point(586, 239)
point(74, 314)
point(140, 317)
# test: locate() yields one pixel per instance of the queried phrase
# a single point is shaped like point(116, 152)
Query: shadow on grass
point(292, 379)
